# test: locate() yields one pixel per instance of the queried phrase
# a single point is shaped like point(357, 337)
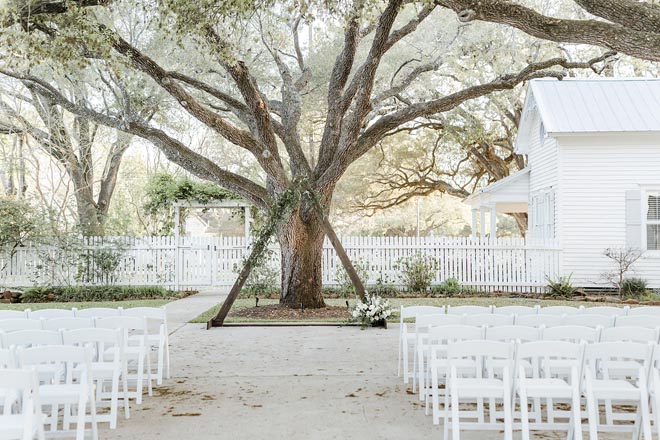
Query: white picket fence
point(508, 264)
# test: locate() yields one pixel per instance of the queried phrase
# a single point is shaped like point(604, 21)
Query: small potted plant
point(372, 310)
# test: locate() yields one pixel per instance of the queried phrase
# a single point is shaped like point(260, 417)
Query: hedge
point(95, 293)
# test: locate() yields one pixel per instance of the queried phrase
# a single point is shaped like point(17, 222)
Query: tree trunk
point(301, 242)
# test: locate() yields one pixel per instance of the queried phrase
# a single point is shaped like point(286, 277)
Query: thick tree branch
point(637, 15)
point(641, 44)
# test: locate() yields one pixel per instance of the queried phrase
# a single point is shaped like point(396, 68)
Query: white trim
point(645, 222)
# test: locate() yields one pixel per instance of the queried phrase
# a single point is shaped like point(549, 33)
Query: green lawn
point(86, 304)
point(397, 302)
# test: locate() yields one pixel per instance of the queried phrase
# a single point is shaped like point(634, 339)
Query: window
point(653, 221)
point(543, 215)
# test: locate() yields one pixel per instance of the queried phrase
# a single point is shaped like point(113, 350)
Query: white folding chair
point(12, 325)
point(422, 325)
point(7, 358)
point(654, 387)
point(60, 389)
point(649, 321)
point(516, 310)
point(538, 320)
point(407, 338)
point(21, 418)
point(14, 314)
point(68, 323)
point(469, 310)
point(508, 333)
point(605, 310)
point(571, 333)
point(488, 320)
point(604, 381)
point(543, 381)
point(135, 350)
point(644, 335)
point(108, 367)
point(51, 313)
point(158, 339)
point(31, 338)
point(559, 310)
point(439, 339)
point(479, 383)
point(644, 311)
point(602, 321)
point(98, 312)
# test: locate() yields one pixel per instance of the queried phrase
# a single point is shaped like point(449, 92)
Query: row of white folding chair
point(92, 312)
point(480, 370)
point(440, 336)
point(54, 319)
point(54, 376)
point(134, 347)
point(423, 322)
point(604, 316)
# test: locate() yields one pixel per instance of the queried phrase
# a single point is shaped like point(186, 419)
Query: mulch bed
point(278, 312)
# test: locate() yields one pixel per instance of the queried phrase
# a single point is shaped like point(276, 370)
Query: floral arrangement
point(371, 310)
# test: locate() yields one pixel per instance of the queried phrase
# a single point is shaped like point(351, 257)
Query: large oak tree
point(252, 83)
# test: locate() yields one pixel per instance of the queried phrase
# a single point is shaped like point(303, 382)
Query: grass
point(397, 302)
point(86, 304)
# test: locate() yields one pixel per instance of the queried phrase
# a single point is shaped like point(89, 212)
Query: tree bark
point(301, 243)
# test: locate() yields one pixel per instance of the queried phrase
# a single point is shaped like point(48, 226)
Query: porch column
point(482, 210)
point(248, 220)
point(493, 221)
point(474, 223)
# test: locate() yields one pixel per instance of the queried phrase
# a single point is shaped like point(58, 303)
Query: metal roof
point(588, 105)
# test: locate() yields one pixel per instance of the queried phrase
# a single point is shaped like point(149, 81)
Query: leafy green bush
point(94, 293)
point(634, 287)
point(448, 287)
point(344, 282)
point(417, 272)
point(384, 288)
point(263, 278)
point(561, 287)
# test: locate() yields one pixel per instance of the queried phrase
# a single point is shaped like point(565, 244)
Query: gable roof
point(502, 184)
point(593, 105)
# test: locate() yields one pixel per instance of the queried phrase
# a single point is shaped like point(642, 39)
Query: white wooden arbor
point(227, 204)
point(509, 195)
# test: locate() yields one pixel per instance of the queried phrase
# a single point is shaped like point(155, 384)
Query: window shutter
point(634, 219)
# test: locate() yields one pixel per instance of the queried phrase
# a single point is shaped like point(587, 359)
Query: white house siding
point(596, 171)
point(544, 176)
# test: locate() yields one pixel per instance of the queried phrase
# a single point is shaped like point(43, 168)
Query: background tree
point(241, 70)
point(71, 144)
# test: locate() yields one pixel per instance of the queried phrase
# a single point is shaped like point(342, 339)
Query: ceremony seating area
point(58, 366)
point(534, 368)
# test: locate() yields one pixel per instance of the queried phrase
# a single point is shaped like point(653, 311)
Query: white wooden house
point(593, 175)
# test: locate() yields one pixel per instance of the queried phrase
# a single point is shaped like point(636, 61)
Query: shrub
point(562, 287)
point(94, 293)
point(344, 282)
point(633, 287)
point(417, 272)
point(263, 278)
point(384, 288)
point(448, 287)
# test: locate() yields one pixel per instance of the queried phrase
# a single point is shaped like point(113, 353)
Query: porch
point(506, 196)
